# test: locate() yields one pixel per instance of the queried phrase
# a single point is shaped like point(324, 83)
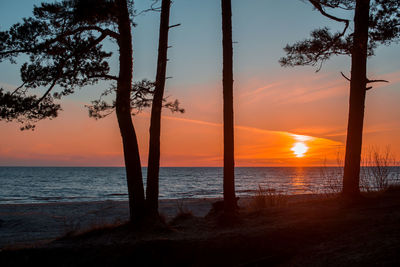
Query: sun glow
point(299, 149)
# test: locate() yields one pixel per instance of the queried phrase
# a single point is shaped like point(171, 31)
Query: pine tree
point(375, 22)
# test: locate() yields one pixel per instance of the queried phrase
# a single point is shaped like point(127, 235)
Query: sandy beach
point(31, 223)
point(306, 230)
point(24, 224)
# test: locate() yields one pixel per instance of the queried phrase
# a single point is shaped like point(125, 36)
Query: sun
point(299, 149)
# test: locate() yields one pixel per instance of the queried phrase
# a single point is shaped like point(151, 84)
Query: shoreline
point(38, 222)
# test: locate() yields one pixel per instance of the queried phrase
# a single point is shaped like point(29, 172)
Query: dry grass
point(183, 212)
point(267, 197)
point(375, 172)
point(73, 228)
point(332, 177)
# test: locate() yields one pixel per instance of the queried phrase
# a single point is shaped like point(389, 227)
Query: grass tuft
point(182, 214)
point(267, 197)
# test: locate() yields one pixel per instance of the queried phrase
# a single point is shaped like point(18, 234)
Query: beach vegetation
point(183, 212)
point(267, 197)
point(377, 173)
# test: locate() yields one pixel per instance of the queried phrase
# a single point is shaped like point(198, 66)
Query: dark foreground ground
point(321, 232)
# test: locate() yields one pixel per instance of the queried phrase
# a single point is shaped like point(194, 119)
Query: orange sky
point(267, 123)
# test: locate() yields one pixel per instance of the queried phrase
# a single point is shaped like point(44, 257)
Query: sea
point(19, 185)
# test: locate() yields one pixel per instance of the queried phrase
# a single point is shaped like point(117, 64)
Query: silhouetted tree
point(153, 166)
point(64, 44)
point(227, 83)
point(155, 124)
point(375, 22)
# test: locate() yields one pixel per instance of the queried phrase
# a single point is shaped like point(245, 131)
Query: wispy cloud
point(296, 90)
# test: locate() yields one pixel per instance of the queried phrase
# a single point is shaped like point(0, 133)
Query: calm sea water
point(66, 184)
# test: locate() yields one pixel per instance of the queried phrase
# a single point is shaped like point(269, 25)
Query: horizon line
point(272, 166)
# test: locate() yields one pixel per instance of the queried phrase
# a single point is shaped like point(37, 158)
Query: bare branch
point(345, 76)
point(152, 8)
point(374, 81)
point(377, 81)
point(175, 25)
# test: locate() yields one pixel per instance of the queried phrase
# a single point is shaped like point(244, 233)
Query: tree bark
point(358, 82)
point(227, 82)
point(155, 124)
point(123, 111)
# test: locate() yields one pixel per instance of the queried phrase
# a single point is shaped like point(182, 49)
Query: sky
point(283, 116)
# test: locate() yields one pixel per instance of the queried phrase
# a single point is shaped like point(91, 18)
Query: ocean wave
point(117, 194)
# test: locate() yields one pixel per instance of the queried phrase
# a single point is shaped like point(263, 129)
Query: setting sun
point(299, 149)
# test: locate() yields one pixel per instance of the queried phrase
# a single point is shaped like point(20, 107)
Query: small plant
point(260, 199)
point(332, 177)
point(376, 172)
point(267, 197)
point(183, 212)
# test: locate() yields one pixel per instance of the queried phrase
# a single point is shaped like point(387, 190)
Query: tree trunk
point(155, 124)
point(227, 82)
point(351, 177)
point(123, 110)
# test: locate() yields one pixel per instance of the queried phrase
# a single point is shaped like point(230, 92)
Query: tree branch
point(374, 81)
point(345, 76)
point(61, 65)
point(104, 76)
point(318, 6)
point(47, 92)
point(152, 8)
point(377, 81)
point(17, 89)
point(175, 25)
point(104, 33)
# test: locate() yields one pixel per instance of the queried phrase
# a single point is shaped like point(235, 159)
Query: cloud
point(297, 89)
point(253, 146)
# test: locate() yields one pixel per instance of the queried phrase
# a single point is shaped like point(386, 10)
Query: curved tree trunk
point(351, 177)
point(155, 124)
point(227, 82)
point(123, 111)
